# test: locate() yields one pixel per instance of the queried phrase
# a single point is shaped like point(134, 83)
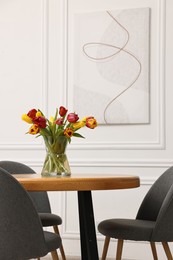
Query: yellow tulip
point(78, 125)
point(51, 119)
point(27, 119)
point(84, 119)
point(38, 114)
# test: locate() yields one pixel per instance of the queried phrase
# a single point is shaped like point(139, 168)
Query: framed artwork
point(111, 65)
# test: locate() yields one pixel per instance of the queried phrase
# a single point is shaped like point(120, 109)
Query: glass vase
point(56, 162)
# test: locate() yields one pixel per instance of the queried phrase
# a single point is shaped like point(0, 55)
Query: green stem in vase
point(56, 160)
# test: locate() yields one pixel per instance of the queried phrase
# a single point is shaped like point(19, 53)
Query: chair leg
point(119, 249)
point(56, 230)
point(54, 255)
point(167, 250)
point(105, 248)
point(153, 248)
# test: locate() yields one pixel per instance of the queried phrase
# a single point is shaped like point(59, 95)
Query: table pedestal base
point(89, 249)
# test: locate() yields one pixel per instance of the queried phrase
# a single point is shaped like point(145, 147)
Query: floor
point(48, 257)
point(73, 258)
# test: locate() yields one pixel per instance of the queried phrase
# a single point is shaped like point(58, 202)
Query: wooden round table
point(83, 184)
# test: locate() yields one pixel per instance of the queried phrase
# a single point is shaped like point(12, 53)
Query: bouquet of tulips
point(62, 124)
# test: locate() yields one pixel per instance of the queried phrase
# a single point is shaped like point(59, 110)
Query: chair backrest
point(163, 230)
point(21, 233)
point(156, 197)
point(40, 199)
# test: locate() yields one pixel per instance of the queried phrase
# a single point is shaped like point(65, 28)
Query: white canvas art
point(111, 65)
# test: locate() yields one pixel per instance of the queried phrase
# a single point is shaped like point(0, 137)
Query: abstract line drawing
point(116, 59)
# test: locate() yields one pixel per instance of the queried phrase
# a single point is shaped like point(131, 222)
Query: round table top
point(77, 182)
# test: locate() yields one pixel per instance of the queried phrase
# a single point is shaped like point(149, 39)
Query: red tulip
point(72, 117)
point(59, 121)
point(62, 111)
point(40, 121)
point(32, 113)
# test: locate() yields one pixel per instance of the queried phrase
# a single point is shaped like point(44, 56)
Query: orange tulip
point(34, 129)
point(68, 132)
point(91, 122)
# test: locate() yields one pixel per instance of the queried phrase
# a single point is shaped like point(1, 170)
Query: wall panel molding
point(44, 80)
point(101, 163)
point(45, 53)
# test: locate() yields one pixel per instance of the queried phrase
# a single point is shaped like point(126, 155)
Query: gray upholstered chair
point(153, 223)
point(40, 199)
point(21, 233)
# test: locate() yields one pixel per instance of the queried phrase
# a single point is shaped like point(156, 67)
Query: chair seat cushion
point(128, 229)
point(49, 219)
point(53, 241)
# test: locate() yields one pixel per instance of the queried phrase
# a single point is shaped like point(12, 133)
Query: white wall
point(36, 68)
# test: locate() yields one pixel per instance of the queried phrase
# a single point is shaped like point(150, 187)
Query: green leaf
point(69, 140)
point(56, 114)
point(78, 135)
point(45, 131)
point(38, 136)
